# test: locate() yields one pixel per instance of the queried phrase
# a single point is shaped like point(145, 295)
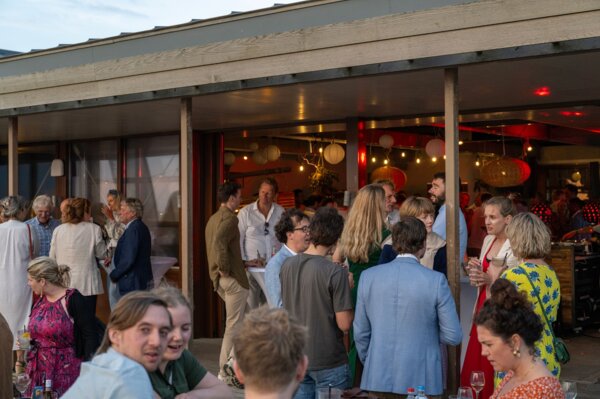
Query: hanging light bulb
point(477, 163)
point(529, 148)
point(433, 159)
point(403, 154)
point(301, 168)
point(321, 149)
point(385, 161)
point(418, 160)
point(245, 157)
point(373, 159)
point(460, 142)
point(444, 157)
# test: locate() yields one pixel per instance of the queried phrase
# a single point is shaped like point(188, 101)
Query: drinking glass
point(570, 388)
point(24, 338)
point(465, 393)
point(22, 382)
point(477, 382)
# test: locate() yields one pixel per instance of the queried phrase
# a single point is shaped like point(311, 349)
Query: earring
point(516, 353)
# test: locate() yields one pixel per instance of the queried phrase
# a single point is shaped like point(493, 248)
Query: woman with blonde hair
point(435, 247)
point(79, 244)
point(362, 238)
point(63, 332)
point(496, 255)
point(530, 242)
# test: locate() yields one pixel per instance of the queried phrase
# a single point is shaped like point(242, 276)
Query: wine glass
point(22, 382)
point(465, 393)
point(570, 388)
point(477, 382)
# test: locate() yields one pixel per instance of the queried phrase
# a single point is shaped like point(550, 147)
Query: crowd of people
point(313, 299)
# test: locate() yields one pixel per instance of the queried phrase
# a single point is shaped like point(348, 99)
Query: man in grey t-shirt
point(316, 292)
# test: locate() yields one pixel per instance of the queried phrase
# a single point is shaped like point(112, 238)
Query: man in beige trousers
point(226, 268)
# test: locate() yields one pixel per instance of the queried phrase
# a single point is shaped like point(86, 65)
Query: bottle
point(48, 392)
point(421, 392)
point(410, 393)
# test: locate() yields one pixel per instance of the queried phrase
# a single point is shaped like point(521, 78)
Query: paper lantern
point(390, 173)
point(542, 211)
point(591, 212)
point(576, 177)
point(334, 153)
point(386, 141)
point(272, 152)
point(259, 157)
point(435, 148)
point(505, 172)
point(228, 158)
point(254, 146)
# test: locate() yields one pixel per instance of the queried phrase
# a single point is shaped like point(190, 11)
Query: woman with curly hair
point(508, 329)
point(361, 241)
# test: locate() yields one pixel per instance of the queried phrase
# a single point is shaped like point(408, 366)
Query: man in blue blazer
point(132, 256)
point(403, 312)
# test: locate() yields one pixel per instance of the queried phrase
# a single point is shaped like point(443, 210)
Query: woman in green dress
point(361, 242)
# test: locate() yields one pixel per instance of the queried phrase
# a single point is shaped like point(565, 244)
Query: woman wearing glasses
point(496, 256)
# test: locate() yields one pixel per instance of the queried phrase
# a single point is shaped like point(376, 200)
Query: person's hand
point(351, 280)
point(106, 211)
point(254, 263)
point(479, 277)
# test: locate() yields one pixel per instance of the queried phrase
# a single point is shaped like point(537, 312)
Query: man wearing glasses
point(257, 236)
point(42, 224)
point(292, 231)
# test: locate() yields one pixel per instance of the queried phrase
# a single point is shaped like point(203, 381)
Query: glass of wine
point(465, 393)
point(477, 382)
point(22, 382)
point(570, 388)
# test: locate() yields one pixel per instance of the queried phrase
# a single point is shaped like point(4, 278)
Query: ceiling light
point(373, 159)
point(543, 91)
point(385, 161)
point(245, 157)
point(403, 154)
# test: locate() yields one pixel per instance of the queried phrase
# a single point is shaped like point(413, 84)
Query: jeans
point(338, 377)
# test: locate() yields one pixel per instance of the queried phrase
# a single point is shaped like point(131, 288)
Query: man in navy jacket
point(132, 257)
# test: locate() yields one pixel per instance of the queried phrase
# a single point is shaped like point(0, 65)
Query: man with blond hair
point(281, 366)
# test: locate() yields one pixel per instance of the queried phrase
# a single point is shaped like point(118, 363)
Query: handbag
point(560, 348)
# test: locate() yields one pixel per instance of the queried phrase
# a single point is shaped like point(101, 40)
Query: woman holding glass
point(63, 332)
point(179, 374)
point(530, 239)
point(508, 330)
point(496, 256)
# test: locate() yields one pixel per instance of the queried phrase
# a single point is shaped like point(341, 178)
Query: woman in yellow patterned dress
point(530, 241)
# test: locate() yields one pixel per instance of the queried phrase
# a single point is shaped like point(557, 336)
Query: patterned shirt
point(43, 234)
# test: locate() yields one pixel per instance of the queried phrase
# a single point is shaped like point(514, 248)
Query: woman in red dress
point(495, 257)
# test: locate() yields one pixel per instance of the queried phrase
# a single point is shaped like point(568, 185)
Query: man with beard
point(438, 197)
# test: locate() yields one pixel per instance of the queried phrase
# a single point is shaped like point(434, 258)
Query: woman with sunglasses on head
point(496, 256)
point(179, 374)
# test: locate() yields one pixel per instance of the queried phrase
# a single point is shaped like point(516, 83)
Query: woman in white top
point(16, 246)
point(79, 245)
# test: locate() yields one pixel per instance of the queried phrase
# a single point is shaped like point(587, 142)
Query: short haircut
point(287, 223)
point(42, 201)
point(440, 175)
point(408, 235)
point(130, 309)
point(74, 211)
point(114, 193)
point(509, 312)
point(504, 205)
point(10, 207)
point(268, 346)
point(226, 190)
point(135, 206)
point(270, 181)
point(326, 227)
point(416, 206)
point(46, 268)
point(385, 182)
point(529, 237)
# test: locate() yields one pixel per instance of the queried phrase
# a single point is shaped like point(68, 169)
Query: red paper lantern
point(591, 212)
point(390, 173)
point(505, 172)
point(542, 211)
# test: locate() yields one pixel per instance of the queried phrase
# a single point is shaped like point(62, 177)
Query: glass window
point(93, 171)
point(153, 177)
point(34, 171)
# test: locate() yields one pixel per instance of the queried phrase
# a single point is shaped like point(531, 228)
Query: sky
point(41, 24)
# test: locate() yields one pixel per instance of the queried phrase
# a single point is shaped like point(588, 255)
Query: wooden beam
point(13, 156)
point(452, 209)
point(186, 260)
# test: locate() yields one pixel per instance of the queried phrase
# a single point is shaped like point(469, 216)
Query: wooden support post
point(13, 156)
point(452, 209)
point(185, 191)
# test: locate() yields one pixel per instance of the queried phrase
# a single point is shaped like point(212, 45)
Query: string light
point(529, 148)
point(320, 149)
point(403, 154)
point(385, 161)
point(433, 159)
point(444, 157)
point(301, 168)
point(373, 159)
point(477, 163)
point(245, 157)
point(418, 160)
point(460, 142)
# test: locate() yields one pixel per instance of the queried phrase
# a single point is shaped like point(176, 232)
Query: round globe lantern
point(272, 152)
point(542, 211)
point(435, 148)
point(386, 141)
point(505, 172)
point(576, 176)
point(228, 158)
point(259, 157)
point(390, 173)
point(334, 153)
point(254, 146)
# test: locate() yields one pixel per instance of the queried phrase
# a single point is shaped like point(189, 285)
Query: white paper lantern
point(386, 141)
point(272, 152)
point(254, 146)
point(228, 158)
point(259, 157)
point(576, 176)
point(334, 153)
point(435, 148)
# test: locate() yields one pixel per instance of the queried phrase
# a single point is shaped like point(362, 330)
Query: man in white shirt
point(257, 236)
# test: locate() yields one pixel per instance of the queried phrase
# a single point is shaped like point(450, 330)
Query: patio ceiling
point(490, 94)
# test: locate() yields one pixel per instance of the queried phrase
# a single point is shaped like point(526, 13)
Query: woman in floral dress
point(63, 333)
